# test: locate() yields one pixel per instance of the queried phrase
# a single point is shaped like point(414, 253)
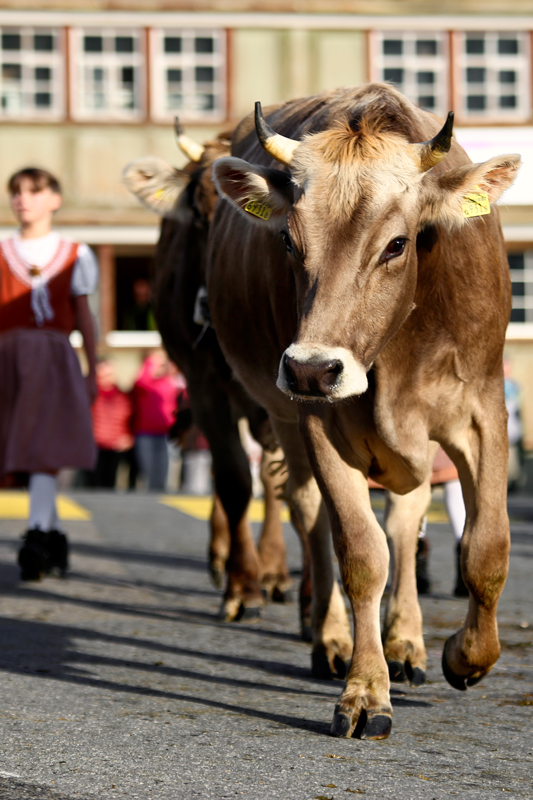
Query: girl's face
point(30, 206)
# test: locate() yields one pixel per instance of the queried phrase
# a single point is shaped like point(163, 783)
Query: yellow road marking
point(16, 505)
point(436, 513)
point(200, 508)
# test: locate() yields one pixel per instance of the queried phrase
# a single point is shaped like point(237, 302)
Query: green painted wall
point(339, 59)
point(256, 69)
point(273, 66)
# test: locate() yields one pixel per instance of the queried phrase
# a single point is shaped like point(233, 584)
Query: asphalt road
point(120, 682)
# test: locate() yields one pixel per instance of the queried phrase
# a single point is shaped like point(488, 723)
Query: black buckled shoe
point(33, 558)
point(58, 553)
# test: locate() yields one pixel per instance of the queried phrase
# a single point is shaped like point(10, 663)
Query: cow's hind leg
point(275, 578)
point(332, 640)
point(219, 543)
point(243, 598)
point(402, 631)
point(481, 457)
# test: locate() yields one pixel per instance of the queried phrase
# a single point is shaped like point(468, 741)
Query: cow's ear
point(467, 191)
point(156, 183)
point(263, 195)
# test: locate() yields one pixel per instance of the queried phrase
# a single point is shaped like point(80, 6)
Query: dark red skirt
point(45, 420)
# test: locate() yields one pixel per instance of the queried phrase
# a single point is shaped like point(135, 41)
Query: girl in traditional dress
point(45, 421)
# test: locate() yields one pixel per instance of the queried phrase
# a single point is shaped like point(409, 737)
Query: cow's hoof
point(396, 672)
point(217, 575)
point(415, 675)
point(373, 726)
point(457, 681)
point(341, 727)
point(323, 668)
point(377, 726)
point(281, 596)
point(249, 613)
point(236, 611)
point(306, 632)
point(403, 673)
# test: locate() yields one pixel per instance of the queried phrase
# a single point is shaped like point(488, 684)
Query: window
point(189, 74)
point(521, 268)
point(416, 63)
point(31, 73)
point(492, 76)
point(108, 74)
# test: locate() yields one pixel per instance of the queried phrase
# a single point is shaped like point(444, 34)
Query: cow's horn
point(278, 146)
point(430, 153)
point(191, 149)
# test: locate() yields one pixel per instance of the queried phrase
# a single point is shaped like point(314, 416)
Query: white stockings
point(43, 490)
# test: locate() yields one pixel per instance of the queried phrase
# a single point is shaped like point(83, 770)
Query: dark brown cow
point(187, 199)
point(359, 288)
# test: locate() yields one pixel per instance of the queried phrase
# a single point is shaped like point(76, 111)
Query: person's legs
point(143, 453)
point(152, 455)
point(423, 582)
point(106, 468)
point(455, 506)
point(43, 490)
point(130, 458)
point(157, 479)
point(45, 548)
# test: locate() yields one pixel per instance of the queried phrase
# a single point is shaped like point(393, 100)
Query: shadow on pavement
point(48, 651)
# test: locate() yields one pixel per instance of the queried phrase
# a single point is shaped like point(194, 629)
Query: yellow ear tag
point(258, 209)
point(160, 193)
point(476, 204)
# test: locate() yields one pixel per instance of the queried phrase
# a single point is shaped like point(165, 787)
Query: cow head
point(161, 187)
point(349, 209)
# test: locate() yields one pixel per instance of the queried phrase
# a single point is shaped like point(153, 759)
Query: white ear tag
point(260, 210)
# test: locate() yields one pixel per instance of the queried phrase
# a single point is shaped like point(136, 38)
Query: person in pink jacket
point(154, 401)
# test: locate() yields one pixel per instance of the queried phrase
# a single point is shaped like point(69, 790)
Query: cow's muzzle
point(312, 379)
point(312, 372)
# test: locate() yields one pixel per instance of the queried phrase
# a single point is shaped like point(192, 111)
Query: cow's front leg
point(275, 578)
point(403, 641)
point(481, 456)
point(330, 629)
point(364, 706)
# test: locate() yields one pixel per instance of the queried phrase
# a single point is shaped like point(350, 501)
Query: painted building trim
point(265, 20)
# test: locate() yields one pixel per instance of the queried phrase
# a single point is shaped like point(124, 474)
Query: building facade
point(83, 92)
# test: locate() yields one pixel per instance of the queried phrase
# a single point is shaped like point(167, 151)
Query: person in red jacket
point(45, 421)
point(154, 401)
point(112, 417)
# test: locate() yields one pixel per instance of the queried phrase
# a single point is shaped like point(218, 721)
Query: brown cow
point(359, 288)
point(186, 199)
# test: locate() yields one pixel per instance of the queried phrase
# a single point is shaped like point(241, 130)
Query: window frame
point(459, 63)
point(413, 63)
point(523, 276)
point(55, 59)
point(160, 63)
point(79, 59)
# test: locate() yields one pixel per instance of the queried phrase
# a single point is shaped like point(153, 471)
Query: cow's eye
point(394, 249)
point(287, 241)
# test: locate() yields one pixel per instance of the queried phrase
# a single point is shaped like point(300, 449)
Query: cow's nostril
point(290, 377)
point(329, 375)
point(311, 378)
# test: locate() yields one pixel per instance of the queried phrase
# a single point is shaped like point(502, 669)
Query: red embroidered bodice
point(17, 279)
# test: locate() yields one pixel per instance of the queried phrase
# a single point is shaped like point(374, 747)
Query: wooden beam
point(108, 288)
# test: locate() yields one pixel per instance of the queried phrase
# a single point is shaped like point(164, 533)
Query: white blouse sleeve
point(85, 272)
